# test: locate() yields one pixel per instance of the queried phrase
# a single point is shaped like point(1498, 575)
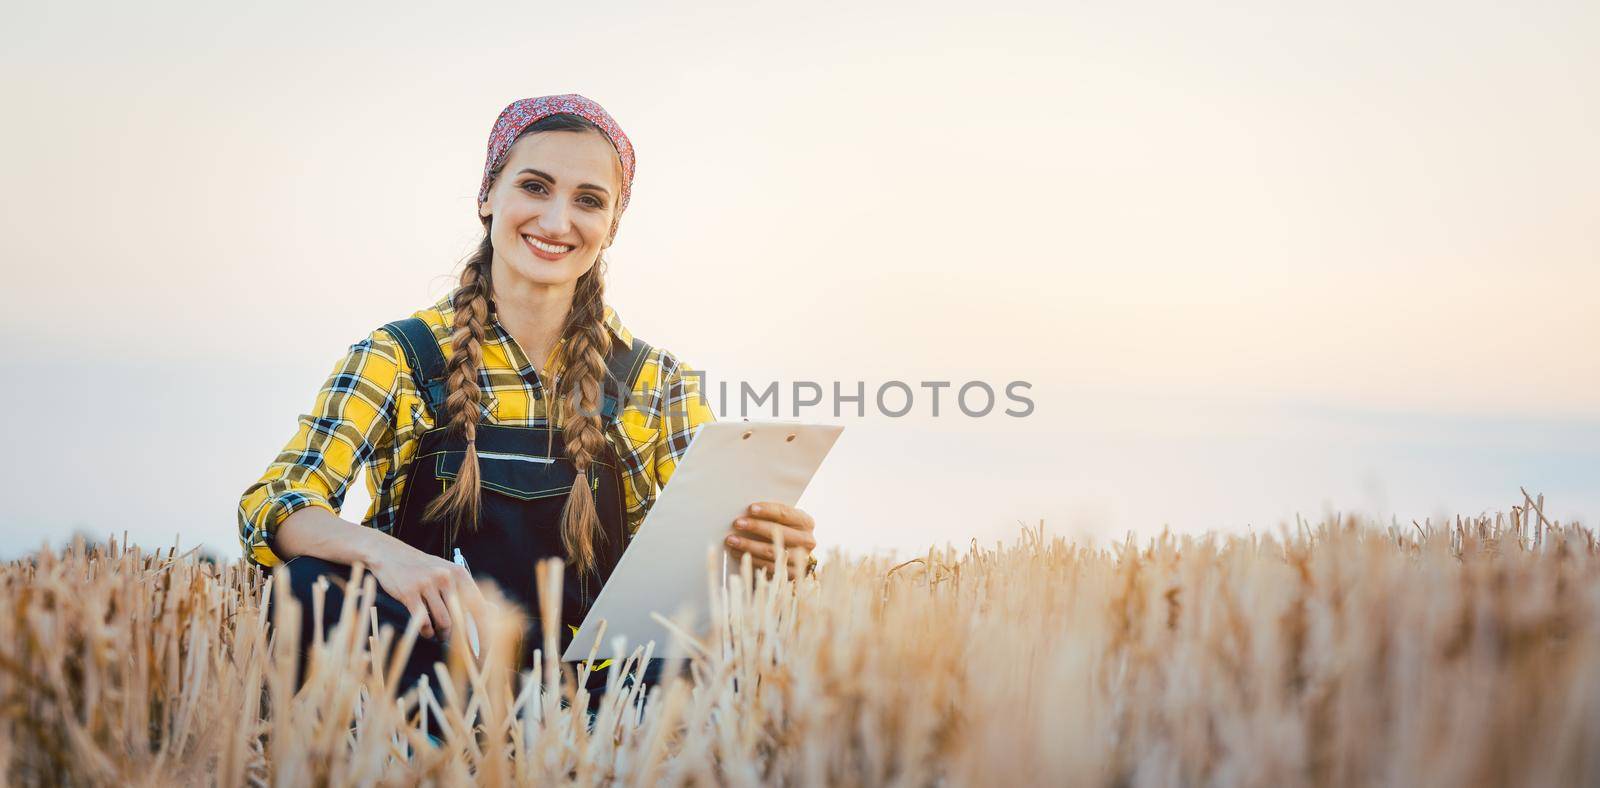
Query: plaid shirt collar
point(446, 309)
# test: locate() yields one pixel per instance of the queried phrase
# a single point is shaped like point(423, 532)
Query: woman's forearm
point(317, 532)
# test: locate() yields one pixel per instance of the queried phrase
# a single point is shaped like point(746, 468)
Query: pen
point(472, 628)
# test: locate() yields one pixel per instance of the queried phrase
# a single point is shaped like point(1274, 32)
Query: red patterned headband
point(522, 113)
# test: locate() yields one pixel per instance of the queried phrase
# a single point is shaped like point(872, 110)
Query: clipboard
point(728, 466)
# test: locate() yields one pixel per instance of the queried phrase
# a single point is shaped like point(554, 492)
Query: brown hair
point(576, 403)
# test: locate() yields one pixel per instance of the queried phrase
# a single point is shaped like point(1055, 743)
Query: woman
point(515, 419)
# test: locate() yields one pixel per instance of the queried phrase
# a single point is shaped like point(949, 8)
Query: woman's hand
point(422, 583)
point(419, 580)
point(756, 532)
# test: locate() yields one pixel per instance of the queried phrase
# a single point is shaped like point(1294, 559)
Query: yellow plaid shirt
point(369, 410)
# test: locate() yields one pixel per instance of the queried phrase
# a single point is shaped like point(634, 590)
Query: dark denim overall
point(526, 478)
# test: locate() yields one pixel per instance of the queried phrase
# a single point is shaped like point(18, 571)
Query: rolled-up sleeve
point(351, 419)
point(684, 407)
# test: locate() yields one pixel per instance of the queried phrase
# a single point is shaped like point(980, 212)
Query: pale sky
point(1271, 259)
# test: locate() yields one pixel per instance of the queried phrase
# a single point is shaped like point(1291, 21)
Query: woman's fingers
point(768, 530)
point(782, 513)
point(765, 522)
point(419, 610)
point(437, 612)
point(755, 547)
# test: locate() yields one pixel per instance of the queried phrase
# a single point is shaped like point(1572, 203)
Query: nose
point(556, 221)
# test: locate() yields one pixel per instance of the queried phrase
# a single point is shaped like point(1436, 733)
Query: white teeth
point(541, 245)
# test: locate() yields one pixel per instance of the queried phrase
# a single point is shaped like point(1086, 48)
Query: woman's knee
point(304, 571)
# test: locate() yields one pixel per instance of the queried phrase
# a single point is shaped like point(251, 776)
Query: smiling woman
point(516, 419)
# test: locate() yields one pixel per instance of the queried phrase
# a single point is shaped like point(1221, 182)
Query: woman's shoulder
point(662, 381)
point(440, 317)
point(667, 392)
point(435, 317)
point(656, 365)
point(660, 370)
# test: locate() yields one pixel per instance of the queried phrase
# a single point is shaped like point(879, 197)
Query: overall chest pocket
point(525, 477)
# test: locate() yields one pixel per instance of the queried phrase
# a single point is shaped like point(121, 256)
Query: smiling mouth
point(546, 250)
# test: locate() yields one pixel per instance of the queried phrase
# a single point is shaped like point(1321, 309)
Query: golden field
point(1341, 653)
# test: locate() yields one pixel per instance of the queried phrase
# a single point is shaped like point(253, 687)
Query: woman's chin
point(546, 272)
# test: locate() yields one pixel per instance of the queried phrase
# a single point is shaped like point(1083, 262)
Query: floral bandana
point(522, 113)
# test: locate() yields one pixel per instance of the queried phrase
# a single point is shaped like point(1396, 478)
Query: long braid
point(583, 372)
point(461, 500)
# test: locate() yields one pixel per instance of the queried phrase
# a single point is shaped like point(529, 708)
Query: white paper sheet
point(729, 465)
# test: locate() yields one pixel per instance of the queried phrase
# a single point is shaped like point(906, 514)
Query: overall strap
point(424, 357)
point(622, 369)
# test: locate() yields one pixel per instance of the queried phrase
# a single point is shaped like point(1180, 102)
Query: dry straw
point(1459, 653)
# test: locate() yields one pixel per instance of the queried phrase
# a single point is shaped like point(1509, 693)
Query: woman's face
point(552, 206)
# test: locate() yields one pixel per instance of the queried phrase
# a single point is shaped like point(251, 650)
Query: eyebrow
point(548, 177)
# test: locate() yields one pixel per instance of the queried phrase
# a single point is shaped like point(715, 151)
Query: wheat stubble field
point(1339, 653)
